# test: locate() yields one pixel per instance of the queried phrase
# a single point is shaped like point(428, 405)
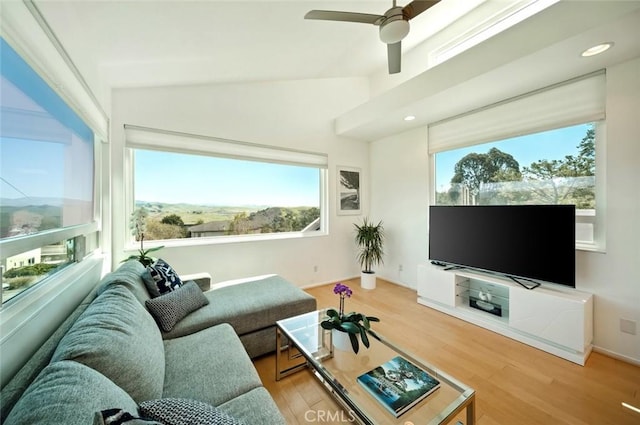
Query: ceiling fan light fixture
point(394, 30)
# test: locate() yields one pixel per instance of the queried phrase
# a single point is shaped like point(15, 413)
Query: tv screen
point(527, 241)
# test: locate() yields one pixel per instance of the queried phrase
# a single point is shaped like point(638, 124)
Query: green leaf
point(350, 316)
point(336, 321)
point(363, 336)
point(350, 327)
point(155, 248)
point(365, 322)
point(131, 257)
point(332, 313)
point(354, 342)
point(327, 325)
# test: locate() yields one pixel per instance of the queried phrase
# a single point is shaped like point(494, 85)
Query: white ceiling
point(150, 43)
point(161, 42)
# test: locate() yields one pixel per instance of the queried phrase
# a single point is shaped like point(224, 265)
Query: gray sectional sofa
point(110, 355)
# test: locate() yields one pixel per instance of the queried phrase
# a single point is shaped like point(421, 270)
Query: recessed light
point(410, 118)
point(595, 50)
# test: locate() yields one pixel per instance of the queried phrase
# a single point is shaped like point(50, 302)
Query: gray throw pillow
point(181, 411)
point(170, 308)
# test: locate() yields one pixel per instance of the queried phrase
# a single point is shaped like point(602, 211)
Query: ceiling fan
point(394, 25)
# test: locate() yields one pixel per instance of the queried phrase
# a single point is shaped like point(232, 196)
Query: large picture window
point(550, 167)
point(228, 191)
point(46, 177)
point(539, 148)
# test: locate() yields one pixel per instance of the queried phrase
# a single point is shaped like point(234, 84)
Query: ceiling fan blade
point(394, 57)
point(329, 15)
point(416, 7)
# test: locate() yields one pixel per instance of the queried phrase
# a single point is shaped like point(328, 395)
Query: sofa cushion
point(13, 390)
point(168, 309)
point(68, 393)
point(161, 278)
point(117, 337)
point(210, 366)
point(254, 407)
point(181, 411)
point(128, 275)
point(248, 306)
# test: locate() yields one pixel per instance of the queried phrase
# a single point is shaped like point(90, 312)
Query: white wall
point(400, 192)
point(400, 179)
point(614, 277)
point(294, 114)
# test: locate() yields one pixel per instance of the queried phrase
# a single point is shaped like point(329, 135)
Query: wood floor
point(515, 384)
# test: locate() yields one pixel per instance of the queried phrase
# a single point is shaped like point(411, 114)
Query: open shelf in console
point(554, 319)
point(482, 297)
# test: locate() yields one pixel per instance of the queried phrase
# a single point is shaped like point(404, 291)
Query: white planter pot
point(340, 340)
point(368, 280)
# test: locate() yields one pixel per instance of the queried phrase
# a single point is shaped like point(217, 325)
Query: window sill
point(222, 240)
point(590, 247)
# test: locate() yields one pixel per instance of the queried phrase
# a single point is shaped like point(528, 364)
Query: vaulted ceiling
point(155, 43)
point(149, 43)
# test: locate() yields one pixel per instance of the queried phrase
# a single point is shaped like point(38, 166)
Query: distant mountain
point(25, 202)
point(148, 204)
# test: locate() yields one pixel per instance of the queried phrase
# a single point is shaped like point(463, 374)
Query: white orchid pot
point(340, 340)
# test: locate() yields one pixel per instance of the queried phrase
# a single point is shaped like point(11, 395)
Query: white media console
point(551, 318)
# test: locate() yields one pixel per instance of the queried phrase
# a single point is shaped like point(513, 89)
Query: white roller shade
point(574, 102)
point(154, 139)
point(24, 28)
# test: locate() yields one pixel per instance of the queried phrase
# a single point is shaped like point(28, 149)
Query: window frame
point(90, 231)
point(596, 216)
point(198, 148)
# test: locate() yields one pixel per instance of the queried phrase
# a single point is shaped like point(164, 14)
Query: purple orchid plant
point(354, 324)
point(343, 291)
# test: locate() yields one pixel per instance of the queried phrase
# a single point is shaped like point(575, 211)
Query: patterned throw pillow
point(120, 417)
point(181, 411)
point(170, 308)
point(163, 278)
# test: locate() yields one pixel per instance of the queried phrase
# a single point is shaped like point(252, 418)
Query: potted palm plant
point(369, 238)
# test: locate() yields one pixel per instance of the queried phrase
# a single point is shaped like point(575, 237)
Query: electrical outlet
point(315, 269)
point(628, 326)
point(400, 268)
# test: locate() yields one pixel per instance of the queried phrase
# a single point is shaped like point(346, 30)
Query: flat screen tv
point(530, 242)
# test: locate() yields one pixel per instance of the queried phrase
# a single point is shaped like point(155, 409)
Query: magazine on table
point(398, 384)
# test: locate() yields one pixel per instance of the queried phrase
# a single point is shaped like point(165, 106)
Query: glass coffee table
point(302, 342)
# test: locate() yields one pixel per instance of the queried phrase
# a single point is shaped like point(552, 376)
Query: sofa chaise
point(111, 361)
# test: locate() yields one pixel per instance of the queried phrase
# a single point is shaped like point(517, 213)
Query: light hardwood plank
point(514, 383)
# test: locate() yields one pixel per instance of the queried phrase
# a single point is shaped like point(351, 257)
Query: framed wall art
point(349, 193)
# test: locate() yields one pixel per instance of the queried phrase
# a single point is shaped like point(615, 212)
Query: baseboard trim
point(316, 284)
point(616, 356)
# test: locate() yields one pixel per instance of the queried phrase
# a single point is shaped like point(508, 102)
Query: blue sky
point(553, 144)
point(180, 178)
point(45, 169)
point(40, 176)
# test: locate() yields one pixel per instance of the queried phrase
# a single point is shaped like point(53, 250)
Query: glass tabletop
point(340, 370)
